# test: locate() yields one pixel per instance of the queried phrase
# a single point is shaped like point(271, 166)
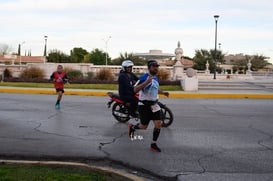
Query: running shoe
point(155, 148)
point(58, 106)
point(131, 130)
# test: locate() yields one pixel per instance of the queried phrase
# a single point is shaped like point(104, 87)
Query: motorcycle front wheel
point(120, 112)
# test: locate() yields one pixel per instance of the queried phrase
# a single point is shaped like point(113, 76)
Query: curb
point(224, 96)
point(172, 95)
point(31, 91)
point(111, 173)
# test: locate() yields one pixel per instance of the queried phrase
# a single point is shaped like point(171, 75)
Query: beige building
point(15, 59)
point(158, 55)
point(165, 59)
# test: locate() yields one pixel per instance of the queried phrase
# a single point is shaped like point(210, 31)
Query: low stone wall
point(15, 69)
point(48, 68)
point(51, 67)
point(225, 77)
point(85, 68)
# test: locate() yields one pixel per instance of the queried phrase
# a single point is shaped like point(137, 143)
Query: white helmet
point(127, 63)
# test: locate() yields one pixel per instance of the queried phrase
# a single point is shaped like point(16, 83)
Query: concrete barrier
point(172, 94)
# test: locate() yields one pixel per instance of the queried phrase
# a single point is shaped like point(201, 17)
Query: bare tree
point(5, 49)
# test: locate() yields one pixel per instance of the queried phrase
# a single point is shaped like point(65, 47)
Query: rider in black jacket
point(126, 81)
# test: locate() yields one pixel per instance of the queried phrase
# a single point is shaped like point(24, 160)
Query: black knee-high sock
point(58, 102)
point(156, 134)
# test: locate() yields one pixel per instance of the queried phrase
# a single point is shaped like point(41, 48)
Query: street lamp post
point(219, 56)
point(106, 44)
point(216, 17)
point(45, 51)
point(45, 45)
point(21, 45)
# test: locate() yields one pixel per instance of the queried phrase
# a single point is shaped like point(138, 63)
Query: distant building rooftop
point(231, 58)
point(186, 62)
point(155, 54)
point(24, 59)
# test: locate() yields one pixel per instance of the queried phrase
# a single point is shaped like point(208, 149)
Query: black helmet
point(152, 62)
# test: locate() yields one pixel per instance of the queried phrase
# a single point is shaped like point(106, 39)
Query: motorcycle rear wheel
point(166, 116)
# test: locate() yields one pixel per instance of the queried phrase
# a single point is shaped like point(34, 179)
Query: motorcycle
point(120, 110)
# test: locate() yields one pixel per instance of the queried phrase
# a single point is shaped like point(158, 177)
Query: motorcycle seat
point(116, 96)
point(113, 95)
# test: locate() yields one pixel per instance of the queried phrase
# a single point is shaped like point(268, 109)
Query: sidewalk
point(252, 94)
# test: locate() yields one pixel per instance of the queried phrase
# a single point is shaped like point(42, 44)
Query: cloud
point(54, 6)
point(138, 25)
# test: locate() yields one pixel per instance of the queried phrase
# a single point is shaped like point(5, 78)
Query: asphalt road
point(210, 139)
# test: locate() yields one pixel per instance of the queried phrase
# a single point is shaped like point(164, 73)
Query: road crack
point(102, 144)
point(261, 141)
point(214, 110)
point(52, 116)
point(36, 128)
point(199, 161)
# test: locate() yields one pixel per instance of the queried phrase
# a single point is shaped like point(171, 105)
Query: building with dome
point(167, 59)
point(158, 55)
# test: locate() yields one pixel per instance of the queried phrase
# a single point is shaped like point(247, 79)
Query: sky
point(244, 26)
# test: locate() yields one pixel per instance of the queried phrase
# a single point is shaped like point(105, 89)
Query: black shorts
point(146, 114)
point(59, 90)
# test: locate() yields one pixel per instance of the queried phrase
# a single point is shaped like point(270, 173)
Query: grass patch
point(81, 86)
point(170, 88)
point(26, 84)
point(68, 86)
point(30, 173)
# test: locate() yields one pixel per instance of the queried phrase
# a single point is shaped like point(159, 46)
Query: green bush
point(7, 73)
point(104, 74)
point(163, 74)
point(90, 75)
point(32, 72)
point(74, 74)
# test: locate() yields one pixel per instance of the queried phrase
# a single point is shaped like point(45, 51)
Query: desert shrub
point(139, 74)
point(163, 74)
point(7, 62)
point(7, 73)
point(90, 75)
point(104, 74)
point(74, 74)
point(32, 73)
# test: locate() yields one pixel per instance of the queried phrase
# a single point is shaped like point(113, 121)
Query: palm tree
point(258, 62)
point(125, 56)
point(203, 56)
point(218, 56)
point(128, 56)
point(200, 59)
